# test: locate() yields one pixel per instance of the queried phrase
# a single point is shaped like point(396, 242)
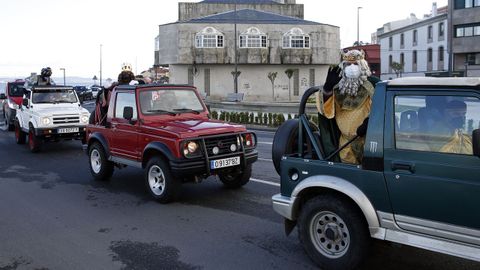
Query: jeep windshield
point(16, 89)
point(170, 101)
point(54, 96)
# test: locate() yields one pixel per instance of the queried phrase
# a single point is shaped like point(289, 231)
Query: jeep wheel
point(284, 141)
point(333, 232)
point(236, 179)
point(34, 142)
point(100, 167)
point(20, 136)
point(161, 184)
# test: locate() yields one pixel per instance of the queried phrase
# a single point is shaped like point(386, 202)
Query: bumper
point(284, 206)
point(58, 134)
point(201, 166)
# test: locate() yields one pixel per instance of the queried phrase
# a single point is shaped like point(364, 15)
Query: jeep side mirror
point(25, 102)
point(3, 96)
point(128, 113)
point(476, 142)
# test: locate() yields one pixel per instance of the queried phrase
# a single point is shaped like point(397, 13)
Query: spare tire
point(284, 141)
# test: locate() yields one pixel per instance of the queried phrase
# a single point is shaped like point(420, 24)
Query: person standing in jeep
point(166, 130)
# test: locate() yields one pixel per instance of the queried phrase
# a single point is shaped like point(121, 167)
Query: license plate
point(67, 130)
point(226, 162)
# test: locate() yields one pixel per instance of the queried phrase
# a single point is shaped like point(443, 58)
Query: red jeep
point(166, 130)
point(13, 99)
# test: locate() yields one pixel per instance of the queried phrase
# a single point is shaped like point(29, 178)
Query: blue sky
point(68, 33)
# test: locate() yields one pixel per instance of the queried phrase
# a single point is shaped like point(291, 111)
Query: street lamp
point(101, 64)
point(235, 77)
point(358, 25)
point(63, 69)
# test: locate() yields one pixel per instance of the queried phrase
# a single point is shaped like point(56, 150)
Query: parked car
point(11, 100)
point(95, 89)
point(418, 183)
point(83, 93)
point(166, 130)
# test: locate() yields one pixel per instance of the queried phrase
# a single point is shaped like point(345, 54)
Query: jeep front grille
point(223, 144)
point(59, 120)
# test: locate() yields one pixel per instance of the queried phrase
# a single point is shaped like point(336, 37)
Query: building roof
point(239, 2)
point(250, 16)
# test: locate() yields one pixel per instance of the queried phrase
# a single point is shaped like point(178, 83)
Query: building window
point(430, 33)
point(469, 30)
point(440, 53)
point(473, 58)
point(468, 3)
point(253, 38)
point(429, 55)
point(402, 40)
point(415, 37)
point(390, 43)
point(296, 39)
point(441, 30)
point(460, 4)
point(414, 57)
point(390, 61)
point(209, 37)
point(402, 59)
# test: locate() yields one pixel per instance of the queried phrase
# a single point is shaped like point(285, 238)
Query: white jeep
point(50, 113)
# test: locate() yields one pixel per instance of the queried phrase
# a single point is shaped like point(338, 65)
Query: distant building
point(420, 45)
point(272, 37)
point(464, 24)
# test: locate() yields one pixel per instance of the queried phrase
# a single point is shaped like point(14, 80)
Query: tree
point(272, 76)
point(289, 73)
point(94, 79)
point(397, 68)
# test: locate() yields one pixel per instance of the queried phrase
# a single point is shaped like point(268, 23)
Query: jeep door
point(431, 174)
point(124, 136)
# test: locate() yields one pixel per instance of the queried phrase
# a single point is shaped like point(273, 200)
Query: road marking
point(265, 159)
point(265, 182)
point(269, 143)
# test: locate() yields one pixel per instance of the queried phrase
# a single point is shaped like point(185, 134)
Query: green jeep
point(418, 183)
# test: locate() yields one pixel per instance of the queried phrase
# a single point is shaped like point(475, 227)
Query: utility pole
point(100, 64)
point(358, 26)
point(235, 77)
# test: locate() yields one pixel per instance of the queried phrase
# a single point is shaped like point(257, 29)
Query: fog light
point(233, 148)
point(215, 150)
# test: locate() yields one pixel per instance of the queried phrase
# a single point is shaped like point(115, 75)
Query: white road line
point(265, 159)
point(265, 182)
point(269, 143)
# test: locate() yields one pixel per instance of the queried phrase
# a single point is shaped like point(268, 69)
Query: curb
point(261, 128)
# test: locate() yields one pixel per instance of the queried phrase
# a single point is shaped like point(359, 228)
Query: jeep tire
point(160, 183)
point(100, 167)
point(20, 136)
point(284, 141)
point(236, 179)
point(34, 142)
point(333, 232)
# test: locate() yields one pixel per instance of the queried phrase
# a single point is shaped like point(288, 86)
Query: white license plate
point(226, 162)
point(67, 130)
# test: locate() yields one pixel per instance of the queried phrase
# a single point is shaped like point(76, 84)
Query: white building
point(201, 51)
point(420, 46)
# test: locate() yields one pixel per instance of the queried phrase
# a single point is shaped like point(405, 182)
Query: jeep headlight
point(45, 121)
point(191, 149)
point(84, 119)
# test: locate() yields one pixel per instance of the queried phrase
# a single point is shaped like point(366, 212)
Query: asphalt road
point(54, 216)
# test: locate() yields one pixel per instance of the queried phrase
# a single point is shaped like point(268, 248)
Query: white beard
point(350, 86)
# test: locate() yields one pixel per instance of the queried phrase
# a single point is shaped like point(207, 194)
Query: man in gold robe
point(347, 98)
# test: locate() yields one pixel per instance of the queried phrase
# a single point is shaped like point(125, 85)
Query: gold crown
point(352, 57)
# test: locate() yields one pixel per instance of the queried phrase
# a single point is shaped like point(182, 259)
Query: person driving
point(455, 118)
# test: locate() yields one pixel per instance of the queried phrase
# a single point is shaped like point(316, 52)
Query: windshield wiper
point(162, 111)
point(185, 110)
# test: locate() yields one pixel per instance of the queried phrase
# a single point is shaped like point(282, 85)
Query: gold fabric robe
point(349, 113)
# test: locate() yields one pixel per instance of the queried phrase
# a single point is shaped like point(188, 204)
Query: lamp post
point(235, 77)
point(64, 82)
point(100, 64)
point(358, 25)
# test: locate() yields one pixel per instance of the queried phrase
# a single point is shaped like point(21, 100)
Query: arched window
point(253, 38)
point(209, 37)
point(296, 39)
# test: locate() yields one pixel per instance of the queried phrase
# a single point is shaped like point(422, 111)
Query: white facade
point(431, 52)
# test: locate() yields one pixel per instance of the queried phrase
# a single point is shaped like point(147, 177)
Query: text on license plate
point(226, 162)
point(67, 130)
